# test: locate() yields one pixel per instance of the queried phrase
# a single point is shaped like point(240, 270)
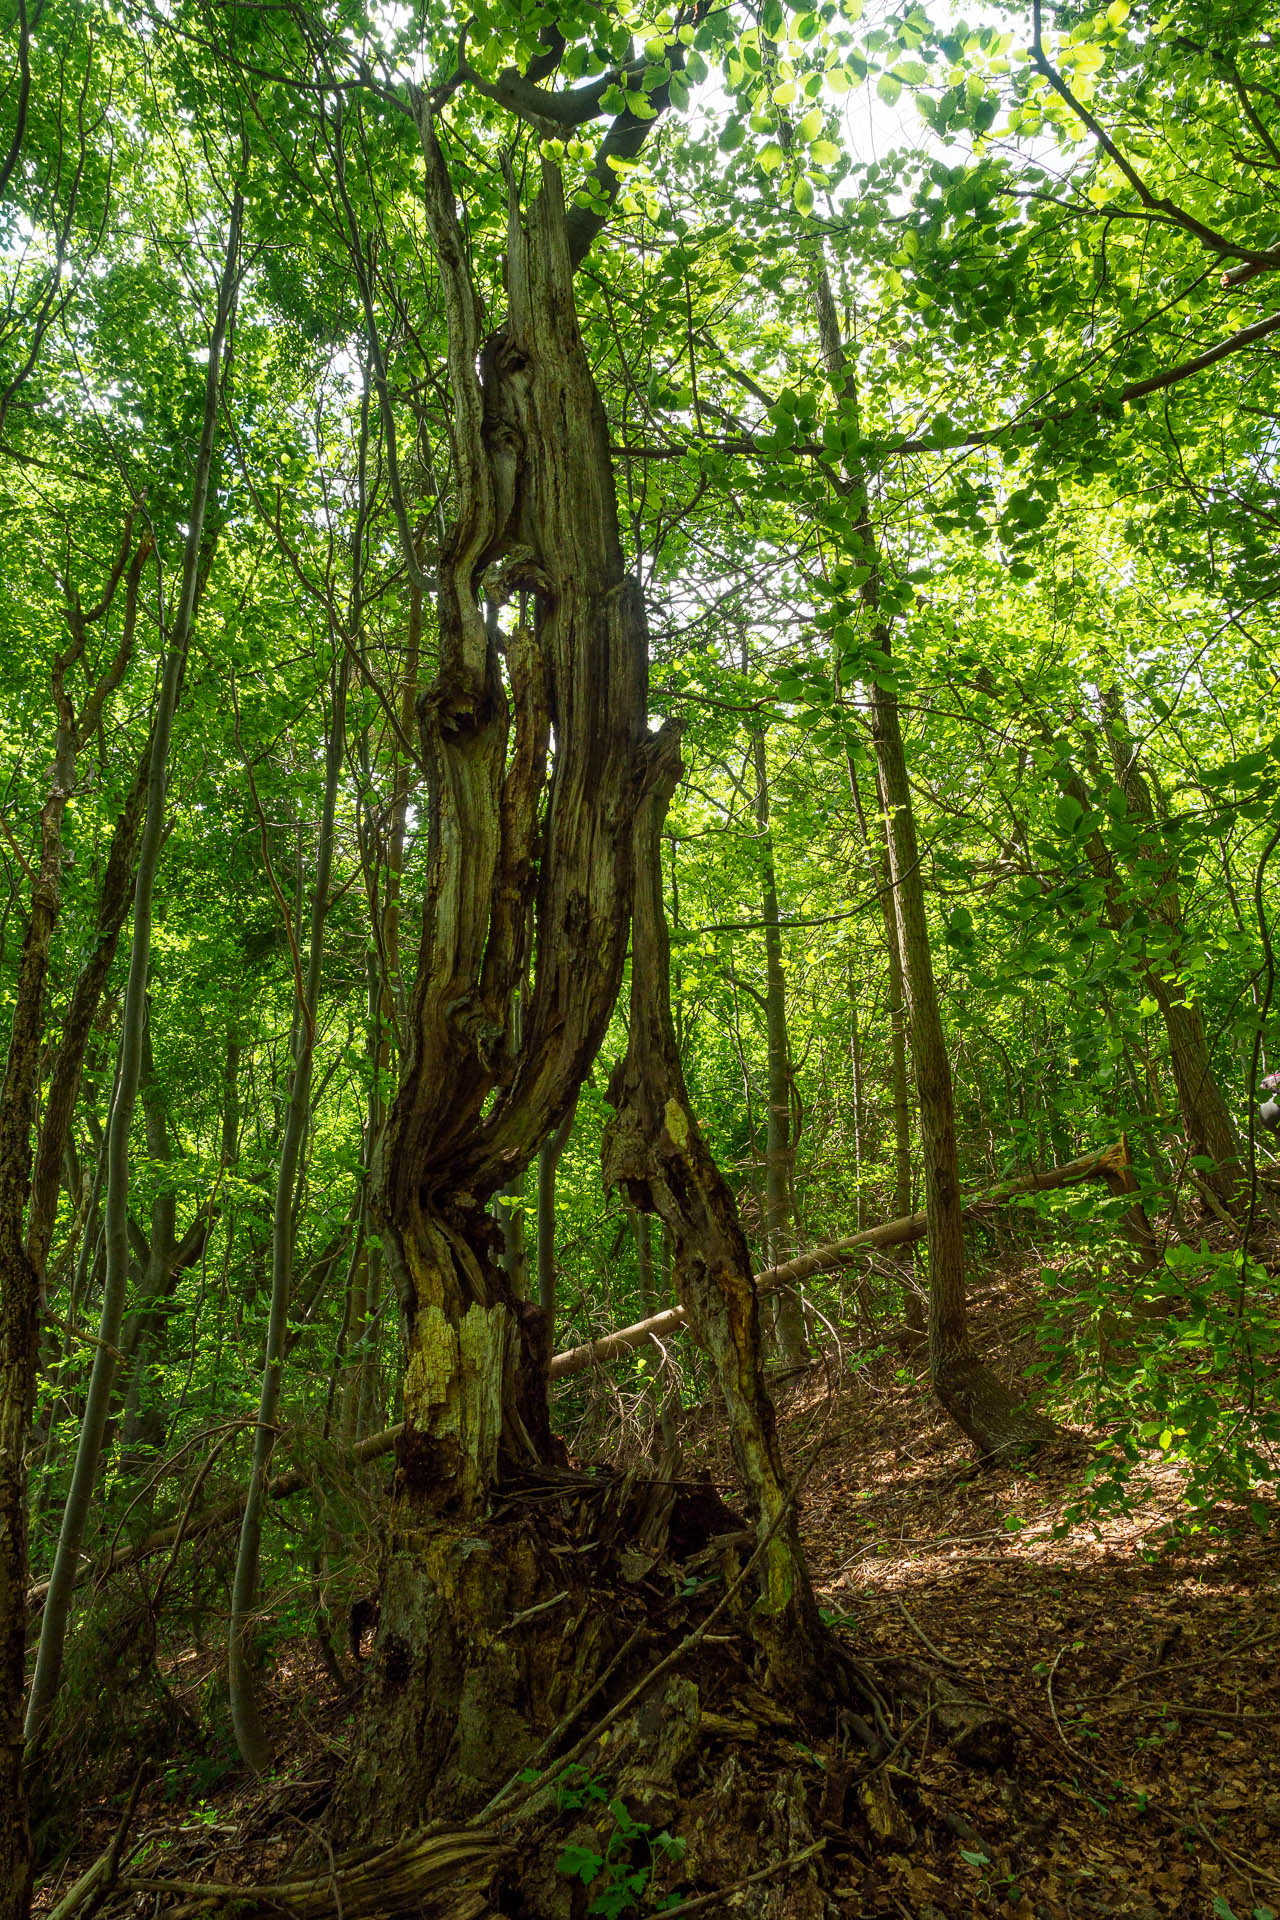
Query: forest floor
point(1140, 1667)
point(1139, 1672)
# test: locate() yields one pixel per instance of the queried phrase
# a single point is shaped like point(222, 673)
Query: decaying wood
point(654, 1151)
point(395, 1879)
point(518, 839)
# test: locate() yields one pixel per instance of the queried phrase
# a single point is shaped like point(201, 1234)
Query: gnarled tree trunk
point(451, 1706)
point(530, 864)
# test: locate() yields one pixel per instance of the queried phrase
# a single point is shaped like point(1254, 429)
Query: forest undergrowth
point(1127, 1662)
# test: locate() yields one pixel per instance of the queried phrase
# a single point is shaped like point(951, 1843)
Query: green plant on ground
point(621, 1870)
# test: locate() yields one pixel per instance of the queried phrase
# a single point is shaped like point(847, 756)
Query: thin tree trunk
point(1206, 1121)
point(142, 1329)
point(251, 1737)
point(877, 849)
point(1205, 1114)
point(44, 1684)
point(386, 1003)
point(984, 1409)
point(19, 1326)
point(64, 1080)
point(789, 1325)
point(21, 1268)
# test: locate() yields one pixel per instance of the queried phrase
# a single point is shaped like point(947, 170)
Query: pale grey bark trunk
point(142, 1330)
point(44, 1683)
point(251, 1737)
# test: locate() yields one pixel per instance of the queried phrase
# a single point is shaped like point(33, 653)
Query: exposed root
point(443, 1875)
point(649, 1752)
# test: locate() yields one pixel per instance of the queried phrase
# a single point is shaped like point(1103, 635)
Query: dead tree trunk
point(654, 1150)
point(536, 519)
point(529, 876)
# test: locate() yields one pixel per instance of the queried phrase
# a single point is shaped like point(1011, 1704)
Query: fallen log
point(1110, 1165)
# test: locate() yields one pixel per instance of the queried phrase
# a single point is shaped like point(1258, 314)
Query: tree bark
point(655, 1152)
point(549, 1155)
point(536, 522)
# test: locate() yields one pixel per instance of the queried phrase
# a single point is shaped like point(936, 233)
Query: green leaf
point(770, 157)
point(810, 126)
point(580, 1863)
point(889, 88)
point(802, 195)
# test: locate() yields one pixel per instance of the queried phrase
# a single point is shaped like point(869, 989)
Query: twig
point(922, 1636)
point(1196, 1713)
point(898, 1745)
point(18, 854)
point(1075, 1755)
point(764, 1873)
point(1249, 1868)
point(1181, 1666)
point(101, 1876)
